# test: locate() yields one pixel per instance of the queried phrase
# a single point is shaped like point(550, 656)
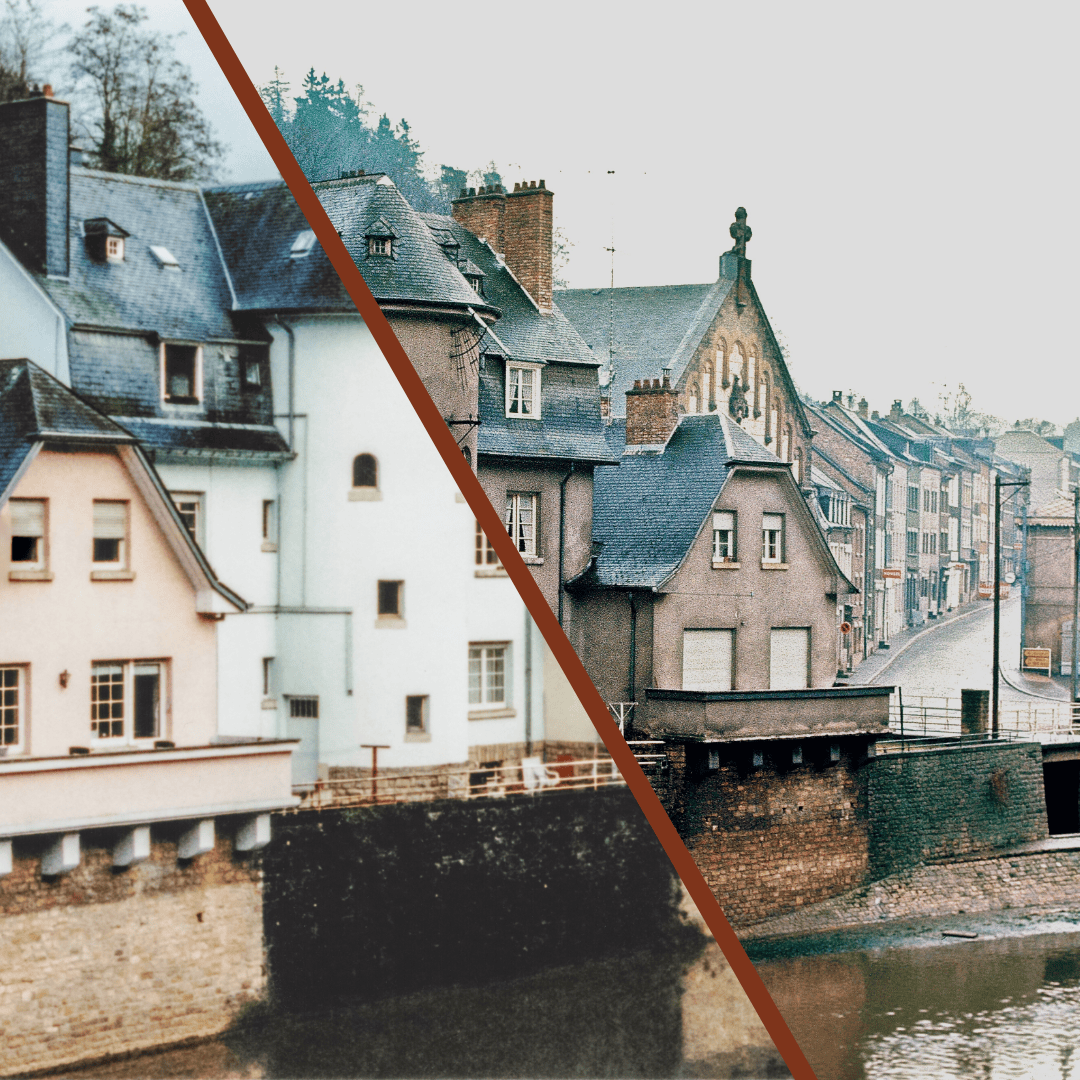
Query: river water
point(904, 1002)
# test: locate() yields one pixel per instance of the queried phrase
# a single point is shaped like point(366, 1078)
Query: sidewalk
point(874, 666)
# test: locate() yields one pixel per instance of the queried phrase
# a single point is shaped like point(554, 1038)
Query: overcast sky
point(908, 170)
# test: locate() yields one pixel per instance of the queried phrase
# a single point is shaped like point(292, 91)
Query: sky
point(908, 170)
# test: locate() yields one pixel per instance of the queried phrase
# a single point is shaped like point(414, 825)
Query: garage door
point(707, 659)
point(789, 659)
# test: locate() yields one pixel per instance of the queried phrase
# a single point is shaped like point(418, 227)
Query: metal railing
point(938, 715)
point(530, 777)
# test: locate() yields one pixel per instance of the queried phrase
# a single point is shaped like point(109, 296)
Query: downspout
point(633, 648)
point(528, 683)
point(562, 535)
point(292, 376)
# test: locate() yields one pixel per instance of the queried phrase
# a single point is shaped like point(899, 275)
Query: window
point(789, 659)
point(913, 541)
point(304, 707)
point(164, 256)
point(365, 471)
point(521, 521)
point(390, 598)
point(772, 538)
point(28, 534)
point(11, 708)
point(476, 282)
point(486, 555)
point(252, 374)
point(724, 537)
point(487, 675)
point(114, 249)
point(416, 714)
point(181, 373)
point(110, 533)
point(189, 507)
point(267, 676)
point(522, 391)
point(379, 245)
point(707, 659)
point(302, 245)
point(912, 498)
point(269, 525)
point(120, 689)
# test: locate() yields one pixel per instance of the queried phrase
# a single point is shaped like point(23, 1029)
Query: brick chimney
point(838, 397)
point(897, 412)
point(528, 240)
point(864, 406)
point(483, 212)
point(34, 138)
point(652, 412)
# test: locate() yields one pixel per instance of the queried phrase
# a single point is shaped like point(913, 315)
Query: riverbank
point(1036, 877)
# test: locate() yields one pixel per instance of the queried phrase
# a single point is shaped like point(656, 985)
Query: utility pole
point(998, 485)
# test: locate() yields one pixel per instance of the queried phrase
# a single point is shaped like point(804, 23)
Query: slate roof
point(570, 427)
point(257, 224)
point(522, 329)
point(203, 437)
point(139, 294)
point(648, 327)
point(35, 407)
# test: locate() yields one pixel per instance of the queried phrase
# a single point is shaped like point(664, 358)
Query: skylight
point(164, 256)
point(302, 245)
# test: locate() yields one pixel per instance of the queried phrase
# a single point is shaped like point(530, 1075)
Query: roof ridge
point(129, 178)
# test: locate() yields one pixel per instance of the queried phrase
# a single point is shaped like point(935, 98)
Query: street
point(957, 655)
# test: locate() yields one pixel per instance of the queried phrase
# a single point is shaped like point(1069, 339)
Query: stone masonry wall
point(945, 803)
point(104, 962)
point(774, 838)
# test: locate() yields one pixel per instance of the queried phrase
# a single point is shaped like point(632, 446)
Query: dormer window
point(104, 240)
point(181, 374)
point(477, 284)
point(473, 275)
point(303, 245)
point(380, 238)
point(523, 390)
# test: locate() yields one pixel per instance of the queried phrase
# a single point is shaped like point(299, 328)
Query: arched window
point(721, 365)
point(796, 466)
point(365, 471)
point(692, 399)
point(735, 367)
point(707, 389)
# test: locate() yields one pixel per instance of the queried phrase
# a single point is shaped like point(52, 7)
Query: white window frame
point(128, 670)
point(114, 249)
point(483, 658)
point(14, 698)
point(123, 548)
point(197, 388)
point(381, 246)
point(485, 556)
point(515, 378)
point(528, 546)
point(39, 533)
point(772, 539)
point(303, 244)
point(725, 524)
point(196, 498)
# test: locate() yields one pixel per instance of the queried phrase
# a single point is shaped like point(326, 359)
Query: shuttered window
point(724, 536)
point(772, 538)
point(707, 659)
point(28, 533)
point(789, 659)
point(110, 531)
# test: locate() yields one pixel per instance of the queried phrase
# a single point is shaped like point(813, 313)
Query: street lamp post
point(998, 485)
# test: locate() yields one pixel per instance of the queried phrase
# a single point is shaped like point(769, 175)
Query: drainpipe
point(292, 376)
point(633, 648)
point(562, 535)
point(528, 683)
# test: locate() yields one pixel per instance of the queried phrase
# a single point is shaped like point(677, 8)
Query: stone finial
point(740, 232)
point(738, 408)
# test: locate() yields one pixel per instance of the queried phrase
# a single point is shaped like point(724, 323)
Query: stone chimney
point(528, 240)
point(483, 212)
point(652, 412)
point(864, 406)
point(875, 415)
point(897, 412)
point(838, 398)
point(34, 138)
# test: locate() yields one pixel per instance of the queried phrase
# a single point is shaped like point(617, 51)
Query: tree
point(26, 47)
point(958, 416)
point(560, 257)
point(1040, 427)
point(144, 120)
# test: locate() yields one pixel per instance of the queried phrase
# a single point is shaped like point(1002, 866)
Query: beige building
point(1048, 605)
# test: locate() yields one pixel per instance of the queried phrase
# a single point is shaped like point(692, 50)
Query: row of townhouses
point(273, 556)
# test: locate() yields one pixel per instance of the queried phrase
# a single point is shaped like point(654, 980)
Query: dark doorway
point(1062, 782)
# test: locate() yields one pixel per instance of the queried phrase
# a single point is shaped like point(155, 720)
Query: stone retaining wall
point(102, 962)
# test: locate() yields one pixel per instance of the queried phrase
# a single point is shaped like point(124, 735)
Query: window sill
point(726, 565)
point(491, 571)
point(268, 703)
point(532, 560)
point(30, 575)
point(518, 416)
point(112, 575)
point(268, 545)
point(492, 714)
point(390, 622)
point(365, 495)
point(773, 565)
point(418, 736)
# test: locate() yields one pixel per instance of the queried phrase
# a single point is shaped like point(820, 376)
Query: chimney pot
point(464, 193)
point(532, 183)
point(541, 183)
point(875, 415)
point(517, 186)
point(472, 192)
point(838, 397)
point(863, 406)
point(47, 90)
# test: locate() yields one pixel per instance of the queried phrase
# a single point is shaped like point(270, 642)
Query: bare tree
point(27, 47)
point(144, 119)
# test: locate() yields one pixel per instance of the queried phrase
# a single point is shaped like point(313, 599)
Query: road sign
point(892, 573)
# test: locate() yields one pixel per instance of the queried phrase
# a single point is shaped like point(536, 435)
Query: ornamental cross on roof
point(740, 232)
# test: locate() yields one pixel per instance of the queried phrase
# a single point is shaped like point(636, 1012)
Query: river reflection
point(1001, 1009)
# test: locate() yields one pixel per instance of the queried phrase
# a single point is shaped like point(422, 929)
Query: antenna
point(611, 303)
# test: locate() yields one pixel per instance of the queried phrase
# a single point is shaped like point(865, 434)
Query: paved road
point(957, 655)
